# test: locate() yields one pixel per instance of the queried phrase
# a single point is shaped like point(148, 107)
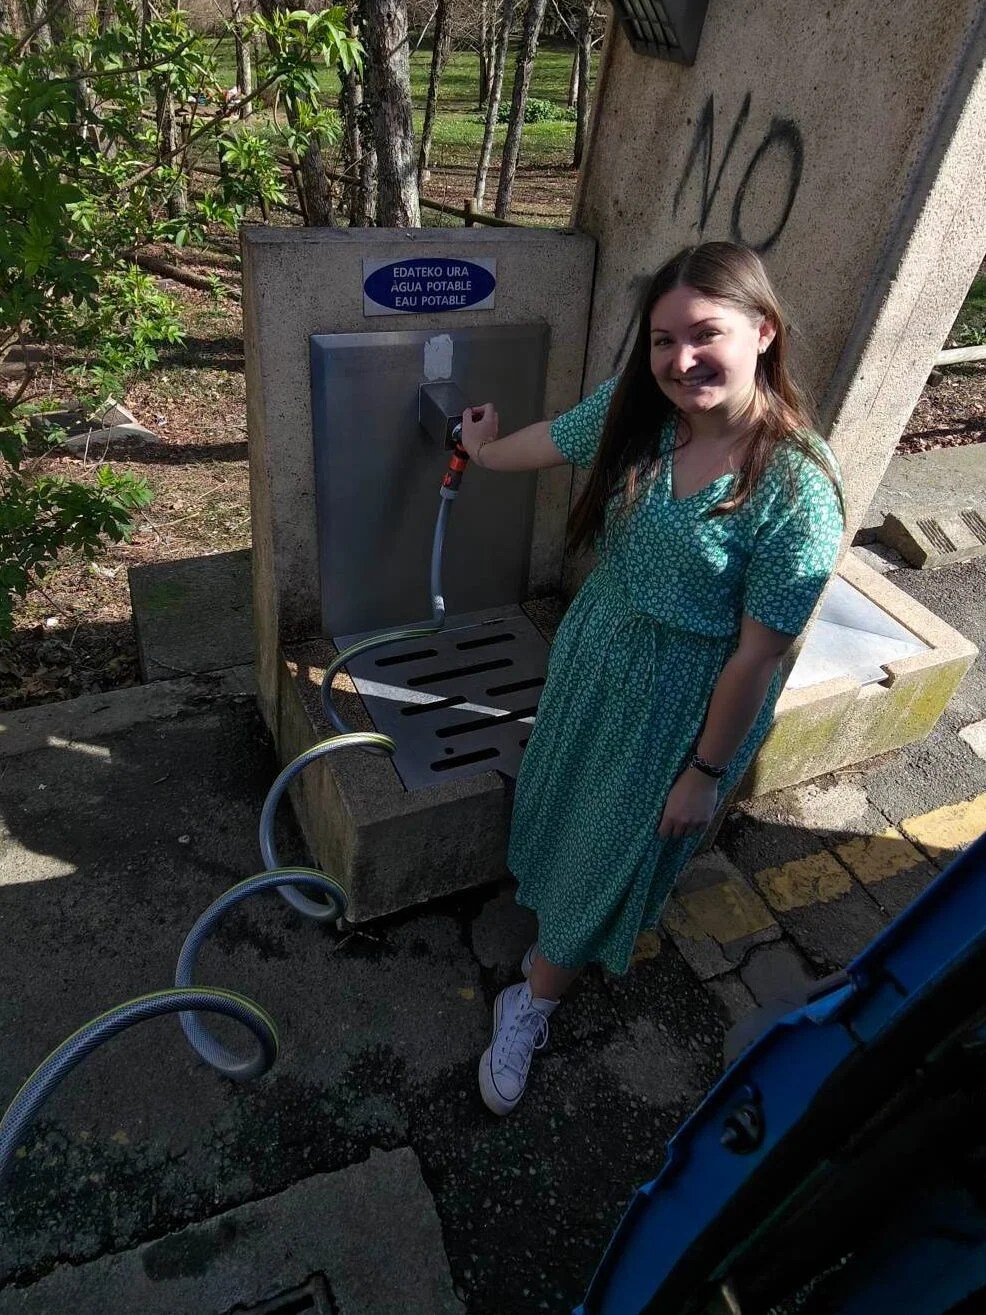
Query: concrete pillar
point(842, 141)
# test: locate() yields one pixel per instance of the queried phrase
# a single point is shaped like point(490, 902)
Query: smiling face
point(704, 352)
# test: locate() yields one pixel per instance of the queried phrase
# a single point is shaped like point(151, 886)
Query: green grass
point(459, 126)
point(969, 329)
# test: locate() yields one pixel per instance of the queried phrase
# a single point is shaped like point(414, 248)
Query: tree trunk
point(366, 197)
point(10, 19)
point(169, 148)
point(314, 192)
point(169, 137)
point(439, 58)
point(299, 186)
point(37, 21)
point(318, 190)
point(389, 85)
point(350, 99)
point(522, 81)
point(573, 81)
point(583, 56)
point(493, 103)
point(358, 154)
point(65, 21)
point(487, 48)
point(244, 56)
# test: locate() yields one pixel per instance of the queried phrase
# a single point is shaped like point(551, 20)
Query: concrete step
point(192, 615)
point(927, 537)
point(938, 481)
point(369, 1235)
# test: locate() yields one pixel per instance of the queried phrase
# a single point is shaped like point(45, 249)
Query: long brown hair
point(629, 449)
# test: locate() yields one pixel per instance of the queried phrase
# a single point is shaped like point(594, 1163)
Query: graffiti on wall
point(762, 202)
point(778, 156)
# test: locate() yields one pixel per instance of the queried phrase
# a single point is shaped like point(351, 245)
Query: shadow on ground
point(115, 844)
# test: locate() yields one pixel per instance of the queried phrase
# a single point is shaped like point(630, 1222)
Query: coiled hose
point(307, 890)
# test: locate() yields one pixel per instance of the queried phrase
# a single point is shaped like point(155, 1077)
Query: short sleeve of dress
point(576, 433)
point(795, 550)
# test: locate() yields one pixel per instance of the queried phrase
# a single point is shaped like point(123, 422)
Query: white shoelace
point(527, 1033)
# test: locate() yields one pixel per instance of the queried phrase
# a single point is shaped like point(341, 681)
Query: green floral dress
point(630, 675)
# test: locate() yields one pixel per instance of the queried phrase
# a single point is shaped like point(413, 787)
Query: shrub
point(538, 111)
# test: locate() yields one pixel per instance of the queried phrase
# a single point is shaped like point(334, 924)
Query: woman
point(716, 514)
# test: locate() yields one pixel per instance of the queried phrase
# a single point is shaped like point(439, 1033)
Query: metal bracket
point(440, 408)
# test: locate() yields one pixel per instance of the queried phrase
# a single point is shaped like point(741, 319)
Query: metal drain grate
point(459, 702)
point(936, 535)
point(975, 524)
point(312, 1298)
point(930, 537)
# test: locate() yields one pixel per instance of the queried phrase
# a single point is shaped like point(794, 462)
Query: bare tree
point(441, 50)
point(583, 56)
point(488, 30)
point(359, 161)
point(359, 157)
point(493, 103)
point(170, 151)
point(389, 85)
point(239, 12)
point(518, 104)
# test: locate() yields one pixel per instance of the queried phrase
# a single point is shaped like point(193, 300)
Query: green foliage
point(86, 180)
point(41, 518)
point(539, 111)
point(970, 327)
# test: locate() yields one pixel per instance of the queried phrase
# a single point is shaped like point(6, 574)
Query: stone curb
point(94, 715)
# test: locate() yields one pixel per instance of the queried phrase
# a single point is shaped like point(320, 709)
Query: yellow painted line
point(877, 857)
point(815, 879)
point(946, 830)
point(730, 910)
point(727, 911)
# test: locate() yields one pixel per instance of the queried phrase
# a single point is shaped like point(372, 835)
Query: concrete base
point(838, 722)
point(389, 847)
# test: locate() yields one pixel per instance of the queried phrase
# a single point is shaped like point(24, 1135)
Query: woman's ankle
point(549, 981)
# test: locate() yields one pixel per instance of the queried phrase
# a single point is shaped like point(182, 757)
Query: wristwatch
point(706, 768)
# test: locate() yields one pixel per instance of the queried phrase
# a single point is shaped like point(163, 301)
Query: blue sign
point(428, 285)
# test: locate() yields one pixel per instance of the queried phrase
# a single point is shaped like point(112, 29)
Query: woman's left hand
point(690, 805)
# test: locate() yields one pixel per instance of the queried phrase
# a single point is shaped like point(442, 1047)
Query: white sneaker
point(527, 963)
point(520, 1026)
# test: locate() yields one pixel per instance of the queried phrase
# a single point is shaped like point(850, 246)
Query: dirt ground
point(75, 635)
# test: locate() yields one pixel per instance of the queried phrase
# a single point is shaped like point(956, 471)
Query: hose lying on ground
point(189, 1000)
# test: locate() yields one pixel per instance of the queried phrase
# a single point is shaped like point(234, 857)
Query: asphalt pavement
point(124, 815)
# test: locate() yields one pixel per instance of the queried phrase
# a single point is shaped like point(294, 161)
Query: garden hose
point(188, 1000)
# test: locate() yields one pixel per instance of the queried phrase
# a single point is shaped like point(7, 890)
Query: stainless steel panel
point(459, 702)
point(377, 475)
